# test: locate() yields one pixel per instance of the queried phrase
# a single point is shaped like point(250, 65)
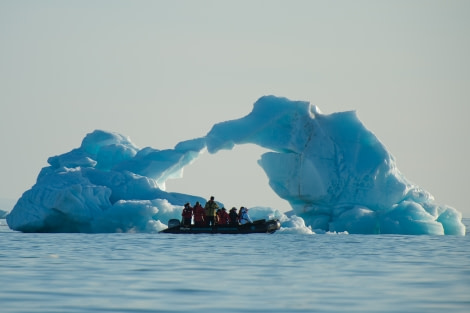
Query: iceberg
point(335, 174)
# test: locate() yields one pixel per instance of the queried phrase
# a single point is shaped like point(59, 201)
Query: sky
point(162, 72)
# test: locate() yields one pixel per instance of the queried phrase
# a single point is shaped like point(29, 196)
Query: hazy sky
point(165, 71)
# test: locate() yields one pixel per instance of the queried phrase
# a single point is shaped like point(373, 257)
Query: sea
point(280, 272)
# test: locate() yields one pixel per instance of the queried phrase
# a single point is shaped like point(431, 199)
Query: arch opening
point(234, 178)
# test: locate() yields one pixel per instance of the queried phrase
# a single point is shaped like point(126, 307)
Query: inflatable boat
point(259, 226)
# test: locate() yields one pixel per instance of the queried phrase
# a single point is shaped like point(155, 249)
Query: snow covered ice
point(336, 175)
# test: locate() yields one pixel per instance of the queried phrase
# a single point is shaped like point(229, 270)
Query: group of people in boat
point(211, 215)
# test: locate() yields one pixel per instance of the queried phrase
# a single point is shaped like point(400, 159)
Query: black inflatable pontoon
point(259, 226)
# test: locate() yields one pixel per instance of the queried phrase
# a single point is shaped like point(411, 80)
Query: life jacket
point(198, 213)
point(187, 212)
point(223, 218)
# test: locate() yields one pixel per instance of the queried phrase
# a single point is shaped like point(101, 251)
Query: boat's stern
point(272, 226)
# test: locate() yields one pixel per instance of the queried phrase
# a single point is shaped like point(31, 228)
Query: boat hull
point(260, 226)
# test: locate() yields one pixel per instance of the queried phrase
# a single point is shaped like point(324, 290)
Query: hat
point(233, 209)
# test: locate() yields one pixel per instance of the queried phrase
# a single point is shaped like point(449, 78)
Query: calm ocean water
point(233, 273)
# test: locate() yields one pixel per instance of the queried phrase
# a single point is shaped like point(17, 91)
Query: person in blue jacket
point(244, 217)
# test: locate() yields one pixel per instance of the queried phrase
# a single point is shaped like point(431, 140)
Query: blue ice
point(336, 175)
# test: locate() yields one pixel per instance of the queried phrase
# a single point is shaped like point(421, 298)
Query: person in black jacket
point(233, 215)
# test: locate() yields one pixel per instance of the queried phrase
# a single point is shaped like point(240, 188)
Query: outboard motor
point(273, 225)
point(173, 223)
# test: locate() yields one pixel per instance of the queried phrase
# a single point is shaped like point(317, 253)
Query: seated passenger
point(244, 217)
point(222, 217)
point(233, 215)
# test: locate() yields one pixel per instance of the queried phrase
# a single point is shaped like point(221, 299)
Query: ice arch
point(334, 173)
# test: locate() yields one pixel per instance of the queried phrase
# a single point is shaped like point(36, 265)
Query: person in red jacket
point(222, 217)
point(187, 214)
point(199, 215)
